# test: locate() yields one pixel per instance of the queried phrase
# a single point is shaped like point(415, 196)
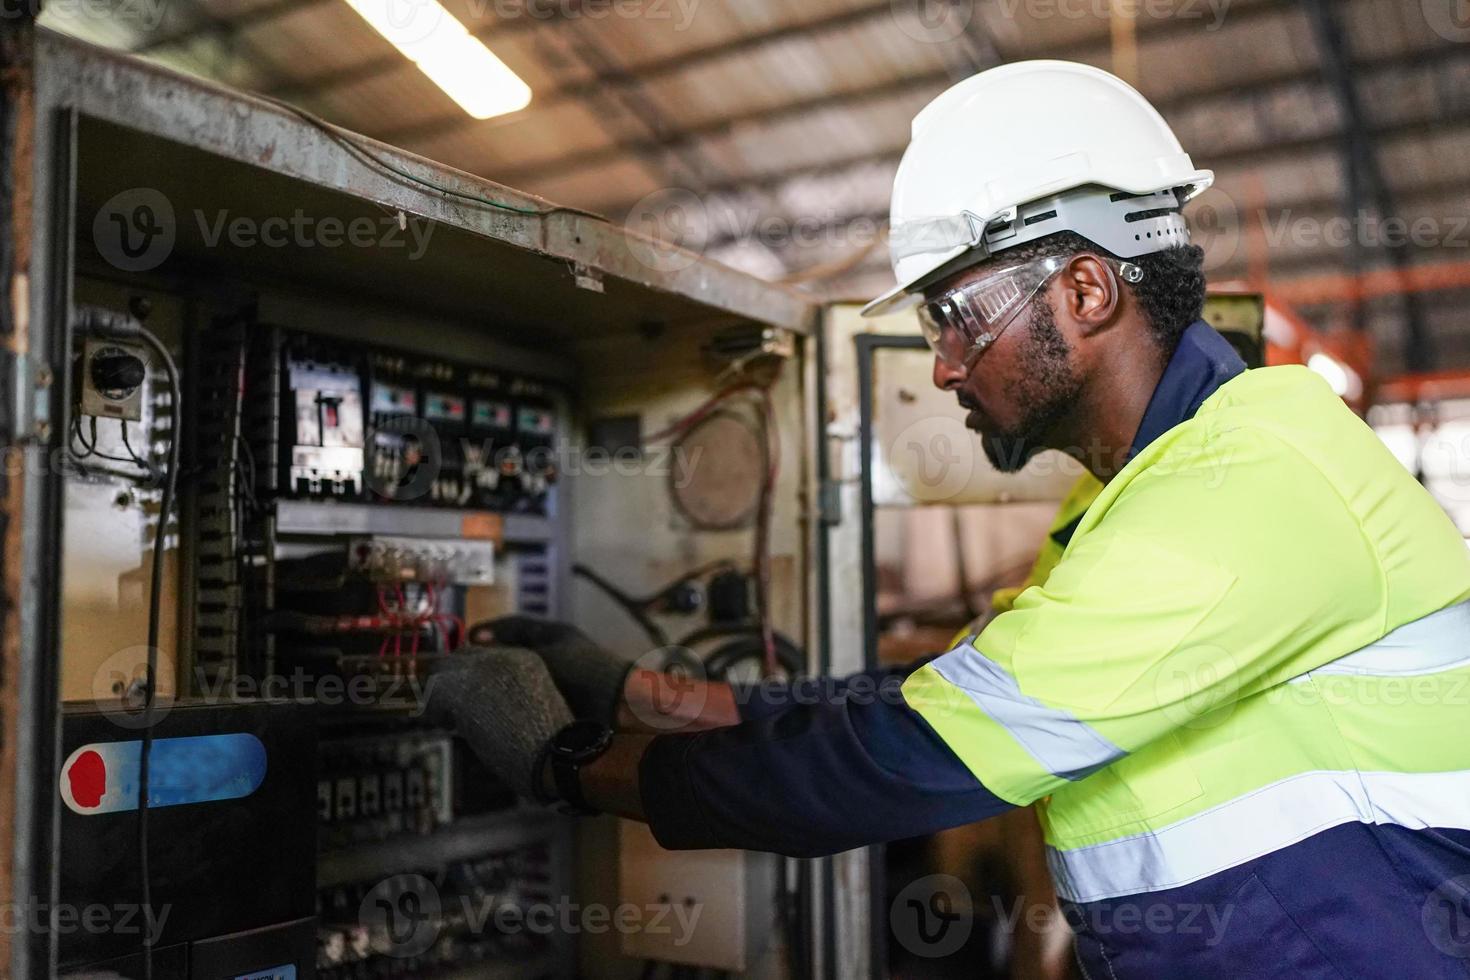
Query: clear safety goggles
point(962, 323)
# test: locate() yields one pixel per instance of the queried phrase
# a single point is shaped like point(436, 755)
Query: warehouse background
point(765, 133)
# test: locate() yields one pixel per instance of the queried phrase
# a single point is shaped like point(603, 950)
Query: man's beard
point(1047, 393)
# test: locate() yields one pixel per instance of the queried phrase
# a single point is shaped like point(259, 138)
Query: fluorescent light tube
point(452, 58)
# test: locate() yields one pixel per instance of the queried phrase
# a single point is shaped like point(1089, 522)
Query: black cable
point(630, 604)
point(123, 425)
point(107, 323)
point(155, 599)
point(92, 450)
point(349, 142)
point(76, 436)
point(748, 645)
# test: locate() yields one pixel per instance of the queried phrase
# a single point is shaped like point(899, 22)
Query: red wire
point(763, 535)
point(769, 665)
point(698, 415)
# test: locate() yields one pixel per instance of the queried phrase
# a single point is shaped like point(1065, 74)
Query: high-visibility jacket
point(1260, 630)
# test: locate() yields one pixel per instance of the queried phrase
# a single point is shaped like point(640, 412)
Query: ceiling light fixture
point(452, 57)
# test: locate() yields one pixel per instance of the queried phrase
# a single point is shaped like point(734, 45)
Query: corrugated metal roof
point(785, 114)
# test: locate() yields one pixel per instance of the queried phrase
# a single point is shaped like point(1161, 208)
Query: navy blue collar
point(1201, 363)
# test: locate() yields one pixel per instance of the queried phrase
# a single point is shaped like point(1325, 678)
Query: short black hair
point(1171, 292)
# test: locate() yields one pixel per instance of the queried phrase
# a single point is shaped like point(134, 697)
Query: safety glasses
point(962, 323)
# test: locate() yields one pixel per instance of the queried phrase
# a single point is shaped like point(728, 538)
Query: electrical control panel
point(395, 558)
point(386, 426)
point(377, 787)
point(325, 425)
point(481, 915)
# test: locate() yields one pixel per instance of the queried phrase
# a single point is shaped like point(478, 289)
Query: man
point(1238, 700)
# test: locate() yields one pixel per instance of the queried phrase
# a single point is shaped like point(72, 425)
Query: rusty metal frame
point(38, 145)
point(136, 94)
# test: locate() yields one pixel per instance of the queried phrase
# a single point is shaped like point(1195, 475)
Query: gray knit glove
point(503, 702)
point(590, 677)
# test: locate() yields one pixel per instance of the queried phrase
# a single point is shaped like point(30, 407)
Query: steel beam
point(664, 70)
point(1366, 181)
point(649, 71)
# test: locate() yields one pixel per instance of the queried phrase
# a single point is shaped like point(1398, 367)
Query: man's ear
point(1090, 293)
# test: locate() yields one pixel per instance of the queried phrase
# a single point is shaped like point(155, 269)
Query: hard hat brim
point(895, 299)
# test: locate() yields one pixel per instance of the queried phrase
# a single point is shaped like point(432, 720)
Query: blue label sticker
point(103, 777)
point(287, 972)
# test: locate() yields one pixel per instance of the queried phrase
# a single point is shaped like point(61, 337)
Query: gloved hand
point(503, 702)
point(591, 678)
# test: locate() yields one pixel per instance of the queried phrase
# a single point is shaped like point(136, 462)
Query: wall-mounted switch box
point(114, 376)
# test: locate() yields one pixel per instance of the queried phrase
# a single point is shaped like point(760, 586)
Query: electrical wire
point(155, 598)
point(631, 605)
point(92, 450)
point(771, 664)
point(350, 142)
point(762, 549)
point(141, 461)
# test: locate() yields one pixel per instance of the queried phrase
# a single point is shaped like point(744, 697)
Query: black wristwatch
point(568, 751)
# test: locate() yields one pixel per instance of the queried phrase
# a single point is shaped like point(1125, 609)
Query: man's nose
point(947, 377)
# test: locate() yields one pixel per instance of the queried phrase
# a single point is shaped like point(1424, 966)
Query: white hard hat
point(1027, 150)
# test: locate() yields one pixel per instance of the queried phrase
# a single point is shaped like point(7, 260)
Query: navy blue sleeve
point(854, 768)
point(766, 698)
